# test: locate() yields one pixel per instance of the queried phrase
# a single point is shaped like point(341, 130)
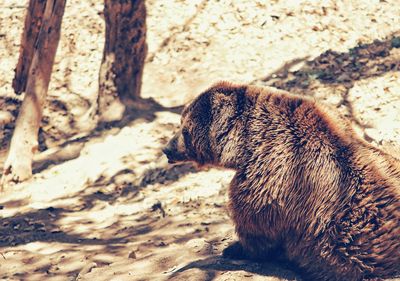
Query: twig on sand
point(86, 269)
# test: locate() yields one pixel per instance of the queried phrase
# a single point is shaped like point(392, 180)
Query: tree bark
point(33, 22)
point(124, 53)
point(38, 48)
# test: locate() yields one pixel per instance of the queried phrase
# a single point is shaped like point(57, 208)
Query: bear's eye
point(187, 138)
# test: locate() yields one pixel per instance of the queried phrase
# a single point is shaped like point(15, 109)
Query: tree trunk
point(38, 48)
point(125, 49)
point(33, 22)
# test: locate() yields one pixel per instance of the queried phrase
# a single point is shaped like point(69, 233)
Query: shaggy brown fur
point(305, 186)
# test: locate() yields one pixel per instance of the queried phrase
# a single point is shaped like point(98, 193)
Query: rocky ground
point(104, 204)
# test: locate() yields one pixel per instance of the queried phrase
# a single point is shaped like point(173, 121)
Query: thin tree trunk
point(41, 45)
point(124, 53)
point(33, 22)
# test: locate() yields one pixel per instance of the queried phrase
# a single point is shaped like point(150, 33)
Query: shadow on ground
point(338, 70)
point(41, 225)
point(217, 263)
point(126, 184)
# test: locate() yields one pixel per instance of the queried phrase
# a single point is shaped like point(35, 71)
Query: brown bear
point(305, 186)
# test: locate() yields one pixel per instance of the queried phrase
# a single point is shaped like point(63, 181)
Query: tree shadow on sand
point(338, 70)
point(126, 184)
point(41, 225)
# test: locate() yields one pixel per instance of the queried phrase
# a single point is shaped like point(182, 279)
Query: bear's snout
point(169, 151)
point(172, 151)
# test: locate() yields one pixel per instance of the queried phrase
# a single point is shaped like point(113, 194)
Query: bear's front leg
point(252, 247)
point(235, 251)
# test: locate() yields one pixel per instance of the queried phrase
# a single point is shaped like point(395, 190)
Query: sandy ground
point(103, 203)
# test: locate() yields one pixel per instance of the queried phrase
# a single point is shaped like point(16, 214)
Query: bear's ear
point(230, 100)
point(222, 99)
point(223, 106)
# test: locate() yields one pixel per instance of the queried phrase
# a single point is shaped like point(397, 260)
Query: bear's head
point(211, 126)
